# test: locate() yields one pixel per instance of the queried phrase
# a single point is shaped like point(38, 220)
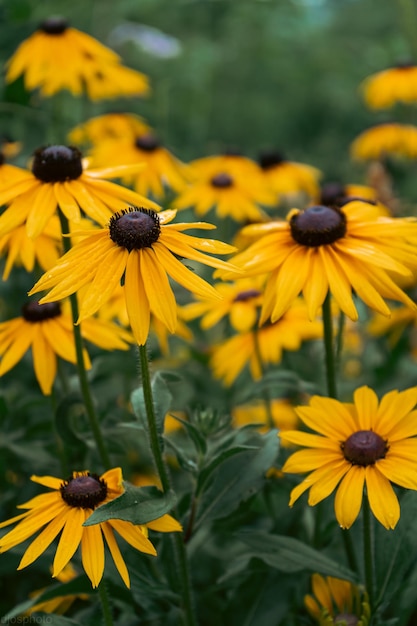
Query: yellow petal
point(44, 362)
point(137, 304)
point(348, 498)
point(133, 535)
point(44, 539)
point(366, 403)
point(116, 554)
point(92, 553)
point(382, 499)
point(69, 540)
point(158, 290)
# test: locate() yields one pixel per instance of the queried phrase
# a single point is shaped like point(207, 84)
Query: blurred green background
point(242, 74)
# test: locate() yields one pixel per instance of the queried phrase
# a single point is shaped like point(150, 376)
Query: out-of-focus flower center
point(135, 228)
point(84, 491)
point(249, 294)
point(54, 25)
point(318, 226)
point(332, 194)
point(346, 619)
point(147, 143)
point(35, 312)
point(364, 448)
point(222, 180)
point(2, 159)
point(269, 159)
point(56, 164)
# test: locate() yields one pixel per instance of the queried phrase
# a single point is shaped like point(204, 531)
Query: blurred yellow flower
point(395, 84)
point(378, 142)
point(108, 126)
point(289, 177)
point(337, 602)
point(282, 412)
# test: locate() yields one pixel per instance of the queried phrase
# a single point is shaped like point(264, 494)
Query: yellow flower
point(282, 411)
point(289, 177)
point(337, 602)
point(58, 57)
point(394, 326)
point(232, 185)
point(368, 443)
point(385, 140)
point(142, 247)
point(60, 178)
point(240, 301)
point(66, 508)
point(325, 249)
point(161, 168)
point(108, 126)
point(22, 250)
point(396, 84)
point(264, 345)
point(48, 331)
point(336, 194)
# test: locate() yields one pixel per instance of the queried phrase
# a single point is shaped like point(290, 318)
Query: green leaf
point(64, 416)
point(208, 470)
point(291, 555)
point(137, 505)
point(237, 478)
point(194, 433)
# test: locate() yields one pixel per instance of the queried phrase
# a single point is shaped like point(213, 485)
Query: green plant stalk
point(368, 550)
point(328, 347)
point(105, 604)
point(82, 372)
point(177, 539)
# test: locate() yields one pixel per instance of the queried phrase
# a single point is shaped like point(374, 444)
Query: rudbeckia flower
point(141, 247)
point(324, 249)
point(48, 331)
point(289, 177)
point(58, 57)
point(161, 169)
point(240, 301)
point(59, 177)
point(282, 412)
point(396, 84)
point(368, 443)
point(378, 142)
point(232, 188)
point(337, 602)
point(264, 345)
point(65, 509)
point(108, 126)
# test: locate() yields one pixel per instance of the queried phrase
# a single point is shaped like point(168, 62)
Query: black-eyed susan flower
point(141, 247)
point(337, 602)
point(161, 171)
point(326, 249)
point(65, 509)
point(368, 443)
point(231, 186)
point(241, 301)
point(59, 177)
point(57, 57)
point(108, 126)
point(263, 346)
point(47, 330)
point(386, 140)
point(287, 178)
point(336, 194)
point(282, 410)
point(395, 84)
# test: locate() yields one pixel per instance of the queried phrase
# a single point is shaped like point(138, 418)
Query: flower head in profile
point(262, 346)
point(337, 602)
point(161, 171)
point(368, 443)
point(109, 126)
point(142, 248)
point(65, 509)
point(386, 140)
point(60, 177)
point(287, 178)
point(336, 194)
point(47, 330)
point(388, 87)
point(324, 249)
point(231, 185)
point(57, 57)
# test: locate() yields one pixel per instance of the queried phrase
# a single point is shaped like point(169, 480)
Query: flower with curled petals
point(368, 443)
point(388, 87)
point(65, 509)
point(140, 248)
point(337, 602)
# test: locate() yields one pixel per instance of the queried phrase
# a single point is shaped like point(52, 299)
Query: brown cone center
point(135, 228)
point(364, 448)
point(318, 226)
point(55, 164)
point(85, 491)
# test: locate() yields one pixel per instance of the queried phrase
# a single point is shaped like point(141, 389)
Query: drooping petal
point(116, 554)
point(382, 499)
point(44, 539)
point(349, 495)
point(133, 535)
point(92, 553)
point(158, 290)
point(137, 303)
point(69, 540)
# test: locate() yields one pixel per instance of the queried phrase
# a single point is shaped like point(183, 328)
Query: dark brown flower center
point(55, 164)
point(244, 296)
point(84, 491)
point(35, 312)
point(271, 158)
point(147, 143)
point(135, 228)
point(54, 25)
point(318, 226)
point(332, 194)
point(222, 180)
point(364, 448)
point(347, 619)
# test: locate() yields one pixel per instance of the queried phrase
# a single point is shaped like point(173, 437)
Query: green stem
point(105, 604)
point(368, 550)
point(177, 539)
point(82, 372)
point(328, 347)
